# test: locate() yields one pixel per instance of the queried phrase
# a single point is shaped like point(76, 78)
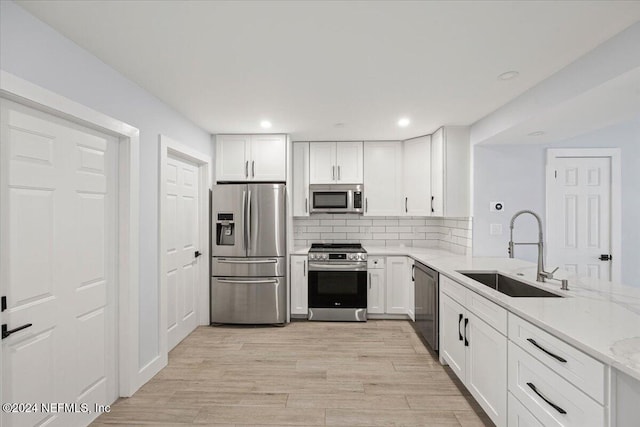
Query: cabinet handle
point(338, 173)
point(413, 273)
point(333, 173)
point(366, 204)
point(6, 332)
point(432, 210)
point(369, 280)
point(304, 267)
point(555, 356)
point(306, 205)
point(246, 169)
point(466, 340)
point(459, 322)
point(553, 405)
point(406, 200)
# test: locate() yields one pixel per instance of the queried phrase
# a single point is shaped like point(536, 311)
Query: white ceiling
point(306, 66)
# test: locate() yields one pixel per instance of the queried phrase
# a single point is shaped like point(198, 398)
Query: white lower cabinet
point(397, 285)
point(550, 398)
point(299, 285)
point(376, 285)
point(477, 353)
point(486, 370)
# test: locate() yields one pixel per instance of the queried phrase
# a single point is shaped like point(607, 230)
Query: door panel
point(266, 212)
point(375, 294)
point(182, 228)
point(322, 162)
point(250, 300)
point(268, 158)
point(349, 162)
point(437, 172)
point(579, 215)
point(232, 157)
point(417, 178)
point(383, 178)
point(229, 199)
point(57, 263)
point(300, 181)
point(452, 347)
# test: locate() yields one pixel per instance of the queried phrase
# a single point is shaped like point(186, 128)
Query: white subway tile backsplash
point(453, 234)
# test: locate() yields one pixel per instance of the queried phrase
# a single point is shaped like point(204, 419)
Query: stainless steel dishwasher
point(426, 300)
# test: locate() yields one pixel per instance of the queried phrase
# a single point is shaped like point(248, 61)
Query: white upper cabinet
point(416, 183)
point(349, 162)
point(383, 178)
point(251, 157)
point(450, 172)
point(335, 162)
point(232, 157)
point(300, 159)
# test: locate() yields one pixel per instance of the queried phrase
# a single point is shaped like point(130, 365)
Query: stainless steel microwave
point(336, 198)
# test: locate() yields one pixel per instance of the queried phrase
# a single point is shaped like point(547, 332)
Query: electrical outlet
point(496, 207)
point(495, 229)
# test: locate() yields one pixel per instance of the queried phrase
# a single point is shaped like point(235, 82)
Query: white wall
point(35, 52)
point(514, 174)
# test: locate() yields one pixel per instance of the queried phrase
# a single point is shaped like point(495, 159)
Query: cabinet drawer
point(453, 289)
point(583, 371)
point(375, 262)
point(488, 311)
point(539, 388)
point(519, 416)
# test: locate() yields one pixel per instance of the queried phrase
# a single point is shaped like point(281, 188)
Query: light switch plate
point(495, 229)
point(496, 207)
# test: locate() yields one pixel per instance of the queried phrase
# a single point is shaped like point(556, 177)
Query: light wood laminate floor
point(376, 373)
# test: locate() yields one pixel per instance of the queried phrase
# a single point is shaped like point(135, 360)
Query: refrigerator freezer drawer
point(253, 300)
point(263, 267)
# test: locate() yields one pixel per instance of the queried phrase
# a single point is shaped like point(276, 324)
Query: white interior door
point(57, 264)
point(579, 215)
point(182, 231)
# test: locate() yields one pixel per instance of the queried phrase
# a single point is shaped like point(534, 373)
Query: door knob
point(197, 254)
point(606, 257)
point(6, 332)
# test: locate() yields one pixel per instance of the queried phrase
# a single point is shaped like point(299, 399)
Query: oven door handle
point(340, 267)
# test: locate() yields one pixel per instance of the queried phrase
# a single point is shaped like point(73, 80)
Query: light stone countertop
point(598, 317)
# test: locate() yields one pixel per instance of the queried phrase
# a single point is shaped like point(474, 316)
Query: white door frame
point(616, 195)
point(31, 95)
point(168, 147)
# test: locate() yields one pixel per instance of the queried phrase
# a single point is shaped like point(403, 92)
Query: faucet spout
point(540, 273)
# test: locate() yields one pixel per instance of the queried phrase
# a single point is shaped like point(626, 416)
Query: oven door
point(338, 285)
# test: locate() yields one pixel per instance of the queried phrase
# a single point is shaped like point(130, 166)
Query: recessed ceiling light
point(509, 75)
point(537, 133)
point(404, 122)
point(266, 124)
point(338, 125)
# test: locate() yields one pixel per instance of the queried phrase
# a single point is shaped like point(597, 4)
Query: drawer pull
point(558, 358)
point(459, 322)
point(553, 405)
point(466, 341)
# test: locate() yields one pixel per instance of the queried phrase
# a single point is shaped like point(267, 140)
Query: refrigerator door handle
point(244, 220)
point(248, 220)
point(246, 282)
point(244, 261)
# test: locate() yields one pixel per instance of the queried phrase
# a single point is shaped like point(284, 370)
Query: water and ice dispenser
point(225, 230)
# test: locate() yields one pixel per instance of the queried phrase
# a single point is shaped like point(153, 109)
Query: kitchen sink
point(508, 286)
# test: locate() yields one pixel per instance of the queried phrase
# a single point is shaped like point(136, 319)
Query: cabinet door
point(349, 163)
point(268, 158)
point(452, 349)
point(322, 162)
point(397, 288)
point(486, 370)
point(232, 157)
point(382, 178)
point(417, 177)
point(411, 289)
point(375, 295)
point(300, 179)
point(437, 171)
point(299, 284)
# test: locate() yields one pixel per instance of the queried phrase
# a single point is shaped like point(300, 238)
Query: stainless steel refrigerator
point(249, 247)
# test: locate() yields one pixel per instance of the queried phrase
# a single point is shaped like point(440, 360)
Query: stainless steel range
point(338, 282)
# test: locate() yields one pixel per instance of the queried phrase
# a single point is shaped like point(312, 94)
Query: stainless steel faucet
point(541, 274)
